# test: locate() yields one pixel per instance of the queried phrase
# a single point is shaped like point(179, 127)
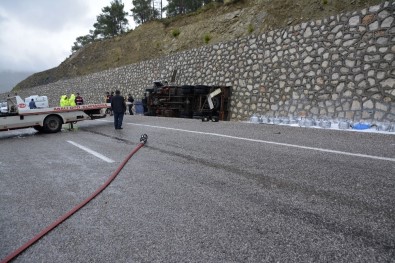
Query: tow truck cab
point(41, 101)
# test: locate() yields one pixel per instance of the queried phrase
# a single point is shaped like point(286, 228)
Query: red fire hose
point(143, 141)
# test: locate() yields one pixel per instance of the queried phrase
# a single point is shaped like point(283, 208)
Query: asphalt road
point(199, 192)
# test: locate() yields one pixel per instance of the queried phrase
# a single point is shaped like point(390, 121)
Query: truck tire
point(205, 119)
point(38, 128)
point(52, 124)
point(216, 103)
point(214, 118)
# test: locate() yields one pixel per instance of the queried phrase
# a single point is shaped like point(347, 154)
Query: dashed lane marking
point(98, 155)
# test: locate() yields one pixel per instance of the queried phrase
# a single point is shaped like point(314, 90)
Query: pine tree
point(112, 21)
point(144, 10)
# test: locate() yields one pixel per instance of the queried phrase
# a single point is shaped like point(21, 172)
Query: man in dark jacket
point(79, 100)
point(130, 106)
point(118, 106)
point(32, 104)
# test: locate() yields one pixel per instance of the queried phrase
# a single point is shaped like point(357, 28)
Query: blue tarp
point(138, 107)
point(361, 126)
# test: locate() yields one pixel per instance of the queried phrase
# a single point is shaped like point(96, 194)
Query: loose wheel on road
point(52, 124)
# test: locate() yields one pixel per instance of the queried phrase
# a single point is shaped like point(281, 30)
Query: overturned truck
point(188, 101)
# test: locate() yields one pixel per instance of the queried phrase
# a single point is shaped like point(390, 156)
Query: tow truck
point(47, 120)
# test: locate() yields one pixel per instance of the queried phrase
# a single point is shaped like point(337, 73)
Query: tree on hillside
point(82, 41)
point(158, 3)
point(112, 21)
point(177, 7)
point(144, 10)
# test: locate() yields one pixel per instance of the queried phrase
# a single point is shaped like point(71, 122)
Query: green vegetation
point(178, 7)
point(113, 22)
point(143, 11)
point(175, 32)
point(250, 28)
point(110, 23)
point(207, 38)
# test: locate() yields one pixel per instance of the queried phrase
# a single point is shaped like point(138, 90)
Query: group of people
point(117, 101)
point(71, 101)
point(118, 106)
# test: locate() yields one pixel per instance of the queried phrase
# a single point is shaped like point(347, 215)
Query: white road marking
point(98, 155)
point(270, 142)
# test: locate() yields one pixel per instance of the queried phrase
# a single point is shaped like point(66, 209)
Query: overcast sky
point(36, 35)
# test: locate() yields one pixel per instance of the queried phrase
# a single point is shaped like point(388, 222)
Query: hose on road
point(143, 141)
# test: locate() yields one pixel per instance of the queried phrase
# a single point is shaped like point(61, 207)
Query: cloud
point(38, 35)
point(51, 15)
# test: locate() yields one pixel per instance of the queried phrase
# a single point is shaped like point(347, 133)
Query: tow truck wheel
point(52, 124)
point(39, 128)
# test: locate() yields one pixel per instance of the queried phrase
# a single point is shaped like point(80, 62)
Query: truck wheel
point(52, 124)
point(214, 118)
point(216, 103)
point(205, 119)
point(38, 128)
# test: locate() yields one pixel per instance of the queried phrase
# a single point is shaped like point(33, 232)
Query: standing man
point(144, 101)
point(79, 100)
point(118, 106)
point(131, 100)
point(64, 101)
point(72, 100)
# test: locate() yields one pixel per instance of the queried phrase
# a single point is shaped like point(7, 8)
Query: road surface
point(199, 192)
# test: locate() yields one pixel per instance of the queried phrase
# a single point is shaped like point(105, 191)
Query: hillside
point(212, 24)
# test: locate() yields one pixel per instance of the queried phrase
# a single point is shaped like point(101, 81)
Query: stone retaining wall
point(341, 67)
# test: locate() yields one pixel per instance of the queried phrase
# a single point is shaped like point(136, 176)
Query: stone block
point(366, 20)
point(389, 57)
point(368, 104)
point(387, 22)
point(374, 26)
point(349, 115)
point(356, 105)
point(354, 21)
point(382, 107)
point(388, 83)
point(378, 115)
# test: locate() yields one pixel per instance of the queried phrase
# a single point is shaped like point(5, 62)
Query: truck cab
point(41, 101)
point(3, 107)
